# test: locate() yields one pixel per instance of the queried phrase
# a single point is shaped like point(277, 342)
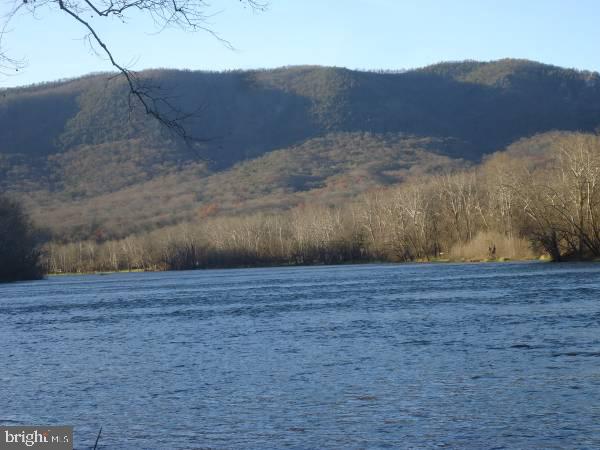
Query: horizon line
point(290, 66)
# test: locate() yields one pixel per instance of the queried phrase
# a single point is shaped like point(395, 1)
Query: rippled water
point(374, 356)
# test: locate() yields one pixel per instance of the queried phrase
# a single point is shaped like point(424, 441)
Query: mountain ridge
point(69, 145)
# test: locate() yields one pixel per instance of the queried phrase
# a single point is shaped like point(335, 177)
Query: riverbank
point(345, 263)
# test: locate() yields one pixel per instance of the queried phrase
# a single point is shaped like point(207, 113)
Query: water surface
point(373, 356)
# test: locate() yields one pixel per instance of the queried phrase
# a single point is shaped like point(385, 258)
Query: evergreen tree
point(19, 249)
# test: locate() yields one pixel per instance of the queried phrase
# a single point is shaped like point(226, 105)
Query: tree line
point(512, 206)
point(515, 205)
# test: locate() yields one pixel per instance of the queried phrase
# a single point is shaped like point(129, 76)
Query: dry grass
point(481, 248)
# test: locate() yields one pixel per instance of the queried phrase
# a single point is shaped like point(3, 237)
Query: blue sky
point(362, 34)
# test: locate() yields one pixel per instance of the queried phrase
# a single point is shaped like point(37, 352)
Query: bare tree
point(187, 15)
point(458, 195)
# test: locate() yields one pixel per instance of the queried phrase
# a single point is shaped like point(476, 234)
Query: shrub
point(492, 245)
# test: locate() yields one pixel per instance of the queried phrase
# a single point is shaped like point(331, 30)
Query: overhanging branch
point(188, 15)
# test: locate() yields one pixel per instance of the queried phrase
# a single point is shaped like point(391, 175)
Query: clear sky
point(362, 34)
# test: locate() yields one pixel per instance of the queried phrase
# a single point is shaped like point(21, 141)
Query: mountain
point(87, 164)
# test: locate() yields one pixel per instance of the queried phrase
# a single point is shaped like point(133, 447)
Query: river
point(361, 356)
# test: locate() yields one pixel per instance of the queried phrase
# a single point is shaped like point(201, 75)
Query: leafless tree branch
point(188, 15)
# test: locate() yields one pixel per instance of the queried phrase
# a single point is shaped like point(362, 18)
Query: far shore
point(542, 258)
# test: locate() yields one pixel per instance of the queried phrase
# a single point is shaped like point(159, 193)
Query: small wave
point(577, 353)
point(523, 346)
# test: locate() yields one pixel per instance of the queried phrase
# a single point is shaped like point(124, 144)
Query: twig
point(97, 439)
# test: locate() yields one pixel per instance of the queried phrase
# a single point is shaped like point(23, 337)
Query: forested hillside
point(538, 199)
point(87, 166)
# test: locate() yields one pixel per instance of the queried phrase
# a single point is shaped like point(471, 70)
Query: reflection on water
point(468, 356)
